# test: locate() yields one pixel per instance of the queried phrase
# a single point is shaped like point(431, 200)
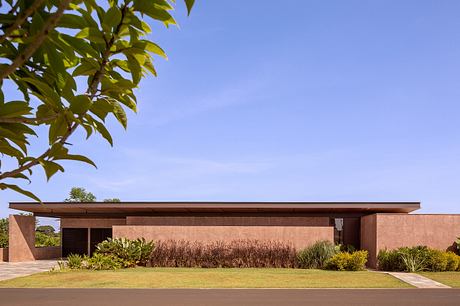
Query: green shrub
point(419, 258)
point(316, 255)
point(437, 261)
point(131, 252)
point(74, 261)
point(345, 261)
point(453, 261)
point(390, 260)
point(103, 262)
point(45, 240)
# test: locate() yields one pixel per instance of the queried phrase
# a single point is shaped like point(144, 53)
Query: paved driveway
point(16, 269)
point(226, 297)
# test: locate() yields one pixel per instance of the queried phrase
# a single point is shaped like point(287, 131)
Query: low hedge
point(418, 258)
point(221, 254)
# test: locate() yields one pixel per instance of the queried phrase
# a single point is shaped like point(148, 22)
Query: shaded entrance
point(83, 240)
point(98, 235)
point(74, 241)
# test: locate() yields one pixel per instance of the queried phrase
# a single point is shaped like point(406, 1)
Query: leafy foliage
point(130, 252)
point(46, 240)
point(45, 229)
point(4, 223)
point(112, 200)
point(345, 261)
point(419, 258)
point(75, 62)
point(104, 262)
point(79, 194)
point(75, 261)
point(316, 255)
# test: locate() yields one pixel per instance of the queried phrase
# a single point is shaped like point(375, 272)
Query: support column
point(21, 238)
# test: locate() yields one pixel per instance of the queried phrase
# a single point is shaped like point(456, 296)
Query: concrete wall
point(90, 222)
point(21, 238)
point(21, 245)
point(3, 254)
point(228, 220)
point(298, 236)
point(398, 230)
point(369, 237)
point(47, 252)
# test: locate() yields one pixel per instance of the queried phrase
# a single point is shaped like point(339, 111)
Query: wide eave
point(123, 209)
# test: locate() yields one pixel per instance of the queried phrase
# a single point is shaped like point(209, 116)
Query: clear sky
point(289, 101)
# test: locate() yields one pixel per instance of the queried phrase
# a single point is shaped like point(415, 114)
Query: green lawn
point(451, 279)
point(206, 278)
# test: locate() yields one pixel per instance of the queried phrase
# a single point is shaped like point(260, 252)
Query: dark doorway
point(347, 231)
point(352, 232)
point(74, 241)
point(98, 235)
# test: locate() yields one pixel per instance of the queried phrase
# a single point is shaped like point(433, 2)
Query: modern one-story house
point(365, 225)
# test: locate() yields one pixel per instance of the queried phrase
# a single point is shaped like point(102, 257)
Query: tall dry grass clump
point(220, 254)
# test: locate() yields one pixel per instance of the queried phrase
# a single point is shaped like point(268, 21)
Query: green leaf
point(154, 11)
point(100, 127)
point(189, 4)
point(92, 34)
point(18, 189)
point(101, 108)
point(48, 94)
point(72, 22)
point(80, 104)
point(58, 128)
point(14, 109)
point(50, 168)
point(150, 47)
point(76, 157)
point(112, 17)
point(120, 114)
point(80, 46)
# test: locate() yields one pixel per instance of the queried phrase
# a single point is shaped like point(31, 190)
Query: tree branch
point(21, 18)
point(38, 40)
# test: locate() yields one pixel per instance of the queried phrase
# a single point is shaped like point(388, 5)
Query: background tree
point(112, 200)
point(79, 194)
point(74, 62)
point(4, 232)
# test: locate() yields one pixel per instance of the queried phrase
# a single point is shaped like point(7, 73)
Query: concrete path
point(417, 280)
point(16, 269)
point(228, 297)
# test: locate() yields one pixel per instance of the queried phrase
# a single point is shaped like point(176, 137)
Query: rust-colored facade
point(366, 225)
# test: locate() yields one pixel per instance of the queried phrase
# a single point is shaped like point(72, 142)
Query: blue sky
point(292, 101)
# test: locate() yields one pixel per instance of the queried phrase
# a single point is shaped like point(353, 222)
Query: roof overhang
point(123, 209)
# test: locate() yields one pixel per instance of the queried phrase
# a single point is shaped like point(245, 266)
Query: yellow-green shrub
point(453, 261)
point(345, 261)
point(437, 261)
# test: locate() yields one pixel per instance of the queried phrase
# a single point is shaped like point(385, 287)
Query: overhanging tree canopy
point(46, 47)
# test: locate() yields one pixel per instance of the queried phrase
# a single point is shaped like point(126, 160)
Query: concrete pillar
point(21, 238)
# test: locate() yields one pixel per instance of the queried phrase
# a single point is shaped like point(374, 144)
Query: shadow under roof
point(123, 209)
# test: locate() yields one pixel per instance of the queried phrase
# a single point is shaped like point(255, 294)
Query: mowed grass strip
point(206, 278)
point(451, 279)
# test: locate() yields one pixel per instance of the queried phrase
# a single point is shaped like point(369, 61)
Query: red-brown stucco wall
point(369, 237)
point(91, 222)
point(297, 236)
point(398, 230)
point(229, 220)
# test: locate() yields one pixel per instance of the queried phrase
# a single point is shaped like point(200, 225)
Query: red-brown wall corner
point(21, 243)
point(369, 238)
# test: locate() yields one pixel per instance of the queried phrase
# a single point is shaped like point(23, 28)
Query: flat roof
point(123, 209)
